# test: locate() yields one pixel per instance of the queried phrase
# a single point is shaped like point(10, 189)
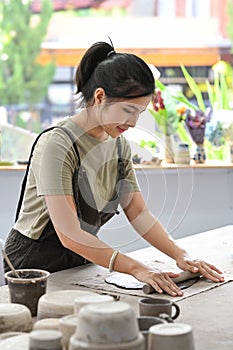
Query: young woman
point(81, 170)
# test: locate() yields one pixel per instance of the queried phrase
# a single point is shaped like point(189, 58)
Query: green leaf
point(160, 85)
point(224, 93)
point(211, 94)
point(182, 99)
point(194, 87)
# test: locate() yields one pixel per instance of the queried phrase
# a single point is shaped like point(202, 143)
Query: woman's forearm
point(64, 217)
point(98, 252)
point(63, 214)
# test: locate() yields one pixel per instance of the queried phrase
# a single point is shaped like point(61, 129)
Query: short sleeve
point(53, 165)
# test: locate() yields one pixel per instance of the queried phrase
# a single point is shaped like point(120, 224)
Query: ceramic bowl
point(45, 339)
point(59, 303)
point(107, 323)
point(67, 326)
point(84, 300)
point(15, 318)
point(144, 324)
point(19, 342)
point(175, 336)
point(10, 334)
point(137, 344)
point(47, 323)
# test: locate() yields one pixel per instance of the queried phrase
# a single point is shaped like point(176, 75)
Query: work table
point(209, 311)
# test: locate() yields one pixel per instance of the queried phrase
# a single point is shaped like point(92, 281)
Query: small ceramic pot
point(200, 155)
point(28, 288)
point(182, 155)
point(45, 339)
point(67, 326)
point(59, 303)
point(84, 300)
point(15, 318)
point(111, 325)
point(112, 322)
point(138, 344)
point(175, 336)
point(47, 323)
point(144, 324)
point(10, 334)
point(19, 342)
point(157, 306)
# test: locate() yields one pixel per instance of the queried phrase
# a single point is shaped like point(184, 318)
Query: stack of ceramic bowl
point(59, 303)
point(107, 326)
point(47, 323)
point(68, 324)
point(19, 342)
point(87, 299)
point(45, 339)
point(15, 318)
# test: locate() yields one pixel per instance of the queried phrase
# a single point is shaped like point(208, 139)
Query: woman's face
point(117, 117)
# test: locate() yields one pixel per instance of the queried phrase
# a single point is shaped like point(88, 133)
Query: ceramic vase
point(169, 154)
point(231, 153)
point(200, 155)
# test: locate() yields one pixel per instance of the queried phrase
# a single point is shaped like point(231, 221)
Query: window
point(198, 8)
point(166, 8)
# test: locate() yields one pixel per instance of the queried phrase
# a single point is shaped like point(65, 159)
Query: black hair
point(121, 75)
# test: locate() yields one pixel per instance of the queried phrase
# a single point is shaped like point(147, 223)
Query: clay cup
point(28, 288)
point(158, 306)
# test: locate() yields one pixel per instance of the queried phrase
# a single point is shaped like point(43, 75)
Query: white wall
point(186, 201)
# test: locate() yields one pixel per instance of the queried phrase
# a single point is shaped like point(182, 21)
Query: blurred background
point(188, 41)
point(42, 42)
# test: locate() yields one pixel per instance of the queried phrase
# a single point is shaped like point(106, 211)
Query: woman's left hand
point(205, 269)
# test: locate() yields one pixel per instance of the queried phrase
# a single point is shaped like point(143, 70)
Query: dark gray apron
point(47, 252)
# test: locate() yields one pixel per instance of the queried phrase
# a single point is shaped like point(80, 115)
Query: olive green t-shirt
point(52, 167)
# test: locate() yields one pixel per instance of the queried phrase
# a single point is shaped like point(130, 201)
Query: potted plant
point(197, 116)
point(167, 115)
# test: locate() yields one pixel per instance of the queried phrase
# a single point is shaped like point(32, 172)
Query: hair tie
point(110, 53)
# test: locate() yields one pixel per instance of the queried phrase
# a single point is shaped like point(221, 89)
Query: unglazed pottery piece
point(145, 322)
point(112, 325)
point(175, 336)
point(83, 300)
point(15, 318)
point(45, 339)
point(47, 323)
point(28, 288)
point(107, 323)
point(157, 306)
point(67, 326)
point(59, 303)
point(19, 342)
point(9, 335)
point(138, 344)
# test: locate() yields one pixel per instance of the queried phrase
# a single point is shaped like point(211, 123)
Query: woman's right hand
point(160, 281)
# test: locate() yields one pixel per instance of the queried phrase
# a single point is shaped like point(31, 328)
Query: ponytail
point(121, 75)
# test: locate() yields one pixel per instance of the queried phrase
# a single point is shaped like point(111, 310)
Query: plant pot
point(200, 155)
point(231, 153)
point(169, 154)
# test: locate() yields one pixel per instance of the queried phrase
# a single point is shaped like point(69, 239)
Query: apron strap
point(121, 171)
point(23, 186)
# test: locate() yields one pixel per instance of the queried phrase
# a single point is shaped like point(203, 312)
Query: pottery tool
point(10, 264)
point(184, 280)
